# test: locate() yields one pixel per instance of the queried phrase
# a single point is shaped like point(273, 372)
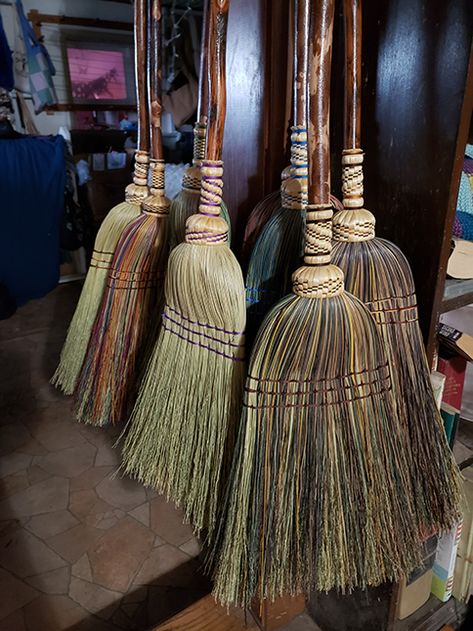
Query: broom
point(377, 272)
point(134, 290)
point(78, 335)
point(186, 202)
point(180, 436)
point(280, 245)
point(320, 496)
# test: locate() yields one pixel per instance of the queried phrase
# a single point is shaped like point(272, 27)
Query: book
point(444, 564)
point(455, 341)
point(454, 369)
point(463, 575)
point(450, 417)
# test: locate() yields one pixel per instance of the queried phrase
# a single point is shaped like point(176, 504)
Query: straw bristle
point(181, 434)
point(127, 314)
point(257, 219)
point(378, 273)
point(320, 496)
point(277, 254)
point(185, 204)
point(80, 328)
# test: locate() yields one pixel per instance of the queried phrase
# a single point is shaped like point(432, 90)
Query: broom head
point(180, 436)
point(127, 315)
point(320, 495)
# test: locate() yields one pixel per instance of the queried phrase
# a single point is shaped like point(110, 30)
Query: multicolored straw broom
point(186, 202)
point(279, 248)
point(320, 495)
point(180, 436)
point(377, 272)
point(128, 314)
point(78, 335)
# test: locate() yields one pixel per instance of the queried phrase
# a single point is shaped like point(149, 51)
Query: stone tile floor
point(81, 549)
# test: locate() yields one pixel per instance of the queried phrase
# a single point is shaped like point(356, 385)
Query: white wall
point(50, 123)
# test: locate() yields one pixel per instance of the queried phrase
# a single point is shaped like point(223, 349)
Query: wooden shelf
point(457, 293)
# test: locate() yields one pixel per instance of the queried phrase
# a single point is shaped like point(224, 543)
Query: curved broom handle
point(352, 16)
point(319, 101)
point(301, 54)
point(155, 81)
point(203, 96)
point(141, 43)
point(216, 74)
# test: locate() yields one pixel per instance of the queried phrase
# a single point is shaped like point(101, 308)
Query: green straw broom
point(377, 272)
point(80, 328)
point(186, 202)
point(320, 496)
point(133, 298)
point(180, 437)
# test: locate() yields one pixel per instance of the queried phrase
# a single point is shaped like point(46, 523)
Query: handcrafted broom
point(320, 495)
point(134, 293)
point(279, 248)
point(186, 202)
point(377, 272)
point(180, 436)
point(78, 335)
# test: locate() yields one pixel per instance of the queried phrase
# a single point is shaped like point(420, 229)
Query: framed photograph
point(100, 72)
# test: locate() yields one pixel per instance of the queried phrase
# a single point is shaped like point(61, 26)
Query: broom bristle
point(186, 204)
point(257, 219)
point(181, 434)
point(378, 273)
point(130, 302)
point(320, 496)
point(80, 328)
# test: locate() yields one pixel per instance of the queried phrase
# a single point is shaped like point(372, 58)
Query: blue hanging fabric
point(32, 180)
point(6, 62)
point(40, 67)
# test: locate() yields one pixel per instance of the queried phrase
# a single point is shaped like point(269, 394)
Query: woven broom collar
point(293, 193)
point(299, 165)
point(352, 178)
point(156, 203)
point(199, 143)
point(137, 191)
point(191, 179)
point(354, 223)
point(211, 187)
point(208, 228)
point(317, 278)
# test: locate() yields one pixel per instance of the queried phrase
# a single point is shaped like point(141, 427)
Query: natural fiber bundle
point(134, 288)
point(78, 335)
point(320, 495)
point(186, 202)
point(377, 272)
point(181, 433)
point(75, 346)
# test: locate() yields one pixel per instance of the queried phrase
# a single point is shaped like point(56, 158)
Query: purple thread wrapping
point(212, 350)
point(209, 337)
point(205, 326)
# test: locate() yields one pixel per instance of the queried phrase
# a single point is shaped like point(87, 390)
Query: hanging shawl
point(40, 67)
point(32, 179)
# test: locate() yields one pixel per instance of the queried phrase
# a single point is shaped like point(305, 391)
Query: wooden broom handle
point(141, 43)
point(203, 96)
point(320, 58)
point(353, 38)
point(216, 72)
point(155, 81)
point(301, 54)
